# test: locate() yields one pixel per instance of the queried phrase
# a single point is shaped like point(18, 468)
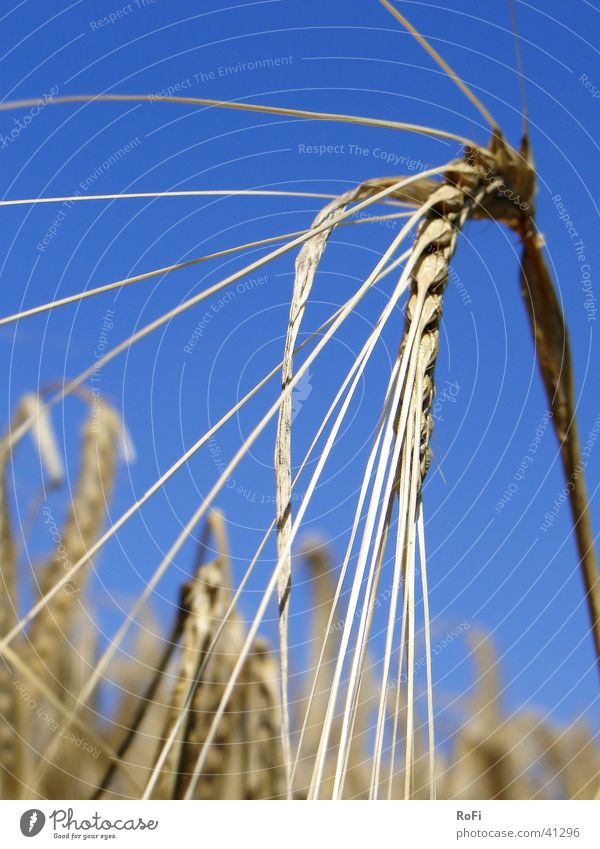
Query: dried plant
point(210, 716)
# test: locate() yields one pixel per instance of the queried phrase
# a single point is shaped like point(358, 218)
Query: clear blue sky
point(497, 571)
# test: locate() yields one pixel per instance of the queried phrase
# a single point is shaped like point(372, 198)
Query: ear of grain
point(10, 708)
point(53, 640)
point(202, 604)
point(41, 692)
point(134, 710)
point(323, 650)
point(42, 432)
point(520, 755)
point(205, 601)
point(449, 208)
point(492, 756)
point(14, 759)
point(394, 390)
point(477, 757)
point(221, 778)
point(575, 758)
point(49, 635)
point(260, 726)
point(306, 267)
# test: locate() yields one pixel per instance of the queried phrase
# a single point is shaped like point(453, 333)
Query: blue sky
point(499, 570)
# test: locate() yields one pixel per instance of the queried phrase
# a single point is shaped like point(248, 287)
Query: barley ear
point(144, 703)
point(324, 643)
point(9, 703)
point(306, 266)
point(49, 634)
point(12, 748)
point(489, 761)
point(200, 677)
point(221, 778)
point(200, 606)
point(263, 766)
point(43, 436)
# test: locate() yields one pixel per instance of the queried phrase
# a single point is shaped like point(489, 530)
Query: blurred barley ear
point(13, 722)
point(49, 636)
point(10, 710)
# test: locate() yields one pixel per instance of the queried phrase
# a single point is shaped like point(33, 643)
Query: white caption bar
point(273, 825)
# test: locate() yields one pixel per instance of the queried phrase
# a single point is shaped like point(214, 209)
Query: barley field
point(299, 470)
